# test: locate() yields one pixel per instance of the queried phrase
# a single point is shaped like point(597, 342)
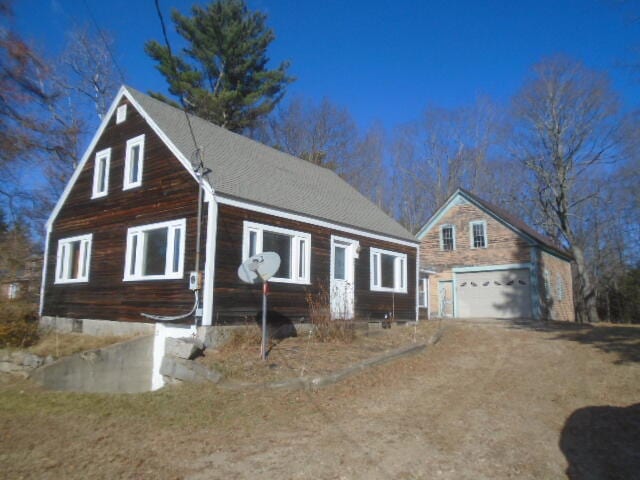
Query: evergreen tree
point(222, 73)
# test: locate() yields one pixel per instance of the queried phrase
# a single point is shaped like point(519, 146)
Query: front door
point(445, 294)
point(343, 255)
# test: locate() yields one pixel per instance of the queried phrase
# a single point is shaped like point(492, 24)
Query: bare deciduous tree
point(567, 136)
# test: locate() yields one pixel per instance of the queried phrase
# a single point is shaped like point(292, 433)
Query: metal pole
point(264, 321)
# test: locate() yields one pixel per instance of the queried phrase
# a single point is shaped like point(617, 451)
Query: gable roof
point(510, 220)
point(244, 169)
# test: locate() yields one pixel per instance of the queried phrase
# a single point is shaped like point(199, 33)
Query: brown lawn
point(489, 400)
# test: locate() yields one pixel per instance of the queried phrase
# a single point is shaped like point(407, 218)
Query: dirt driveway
point(490, 400)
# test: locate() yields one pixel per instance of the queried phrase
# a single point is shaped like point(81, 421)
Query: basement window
point(388, 271)
point(133, 162)
point(73, 259)
point(447, 237)
point(101, 173)
point(478, 232)
point(155, 252)
point(292, 246)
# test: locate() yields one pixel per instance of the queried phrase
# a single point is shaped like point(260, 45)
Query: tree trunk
point(585, 288)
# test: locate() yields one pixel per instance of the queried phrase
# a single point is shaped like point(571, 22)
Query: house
point(123, 238)
point(477, 260)
point(22, 283)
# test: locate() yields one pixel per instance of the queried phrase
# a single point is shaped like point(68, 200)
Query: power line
point(181, 93)
point(104, 41)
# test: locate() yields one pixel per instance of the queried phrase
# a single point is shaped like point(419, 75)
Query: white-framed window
point(478, 234)
point(447, 237)
point(133, 162)
point(73, 259)
point(294, 248)
point(121, 114)
point(388, 271)
point(156, 251)
point(423, 293)
point(559, 287)
point(547, 285)
point(101, 173)
point(13, 291)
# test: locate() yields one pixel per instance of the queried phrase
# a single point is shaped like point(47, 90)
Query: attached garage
point(494, 294)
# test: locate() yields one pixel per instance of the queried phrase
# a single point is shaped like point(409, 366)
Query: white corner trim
point(44, 270)
point(210, 260)
point(310, 220)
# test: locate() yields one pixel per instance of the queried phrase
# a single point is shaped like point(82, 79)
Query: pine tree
point(221, 75)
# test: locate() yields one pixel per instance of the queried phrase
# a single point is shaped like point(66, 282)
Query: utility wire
point(104, 41)
point(180, 92)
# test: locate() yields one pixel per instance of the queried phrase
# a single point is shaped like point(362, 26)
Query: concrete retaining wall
point(121, 368)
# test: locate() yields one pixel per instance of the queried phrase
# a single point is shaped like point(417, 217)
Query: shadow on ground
point(622, 340)
point(602, 443)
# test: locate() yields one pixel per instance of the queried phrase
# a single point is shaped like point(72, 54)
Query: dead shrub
point(18, 324)
point(244, 337)
point(326, 329)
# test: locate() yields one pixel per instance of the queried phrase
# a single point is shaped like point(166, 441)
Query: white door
point(343, 254)
point(494, 294)
point(445, 295)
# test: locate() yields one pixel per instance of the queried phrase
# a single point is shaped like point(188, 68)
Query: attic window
point(478, 231)
point(133, 163)
point(101, 173)
point(121, 114)
point(447, 238)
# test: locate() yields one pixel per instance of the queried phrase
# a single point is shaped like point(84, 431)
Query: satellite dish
point(259, 268)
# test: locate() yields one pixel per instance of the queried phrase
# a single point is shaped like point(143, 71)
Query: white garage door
point(494, 294)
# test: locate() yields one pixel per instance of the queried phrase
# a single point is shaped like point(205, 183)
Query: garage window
point(447, 237)
point(388, 271)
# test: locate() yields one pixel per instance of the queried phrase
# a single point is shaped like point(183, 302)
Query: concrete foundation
point(121, 368)
point(98, 328)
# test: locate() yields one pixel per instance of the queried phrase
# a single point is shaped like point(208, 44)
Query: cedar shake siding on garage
point(514, 272)
point(168, 192)
point(237, 302)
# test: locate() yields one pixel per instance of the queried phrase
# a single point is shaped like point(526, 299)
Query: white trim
point(309, 220)
point(100, 157)
point(137, 232)
point(559, 287)
point(121, 114)
point(399, 270)
point(484, 234)
point(294, 261)
point(210, 261)
point(44, 269)
point(63, 259)
point(346, 308)
point(96, 137)
point(131, 143)
point(416, 287)
point(548, 287)
point(453, 236)
point(488, 268)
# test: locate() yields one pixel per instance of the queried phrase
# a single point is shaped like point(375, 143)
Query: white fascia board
point(105, 121)
point(437, 216)
point(310, 220)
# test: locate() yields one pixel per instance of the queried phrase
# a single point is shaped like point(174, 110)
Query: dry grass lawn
point(488, 401)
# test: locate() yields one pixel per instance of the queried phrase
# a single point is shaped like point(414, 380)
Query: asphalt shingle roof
point(248, 170)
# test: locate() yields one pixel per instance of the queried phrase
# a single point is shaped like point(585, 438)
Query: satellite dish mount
point(255, 269)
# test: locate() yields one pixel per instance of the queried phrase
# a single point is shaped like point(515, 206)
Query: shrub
point(326, 329)
point(18, 324)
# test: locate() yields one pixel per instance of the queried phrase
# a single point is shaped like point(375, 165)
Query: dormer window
point(133, 163)
point(478, 231)
point(447, 237)
point(101, 173)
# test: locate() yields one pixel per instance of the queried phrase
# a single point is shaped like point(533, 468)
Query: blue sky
point(383, 60)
